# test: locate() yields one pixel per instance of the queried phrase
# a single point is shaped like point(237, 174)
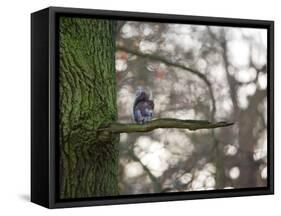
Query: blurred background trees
point(194, 72)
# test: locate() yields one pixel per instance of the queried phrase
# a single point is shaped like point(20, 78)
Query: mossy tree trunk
point(88, 164)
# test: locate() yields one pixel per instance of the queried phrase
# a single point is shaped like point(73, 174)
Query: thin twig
point(167, 62)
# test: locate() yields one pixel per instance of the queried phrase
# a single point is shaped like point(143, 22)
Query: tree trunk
point(248, 120)
point(87, 98)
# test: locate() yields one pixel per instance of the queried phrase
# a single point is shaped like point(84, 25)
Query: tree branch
point(156, 185)
point(167, 62)
point(192, 125)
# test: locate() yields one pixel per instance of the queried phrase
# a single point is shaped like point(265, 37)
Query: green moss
point(89, 166)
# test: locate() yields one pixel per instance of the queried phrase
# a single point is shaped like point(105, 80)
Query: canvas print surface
point(148, 108)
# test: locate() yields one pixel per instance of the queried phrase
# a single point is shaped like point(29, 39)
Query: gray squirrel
point(143, 106)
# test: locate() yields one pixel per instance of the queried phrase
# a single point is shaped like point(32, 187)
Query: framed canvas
point(139, 107)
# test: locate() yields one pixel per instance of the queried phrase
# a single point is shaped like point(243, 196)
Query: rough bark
point(87, 98)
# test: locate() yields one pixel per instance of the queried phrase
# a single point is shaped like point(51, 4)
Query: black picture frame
point(44, 106)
